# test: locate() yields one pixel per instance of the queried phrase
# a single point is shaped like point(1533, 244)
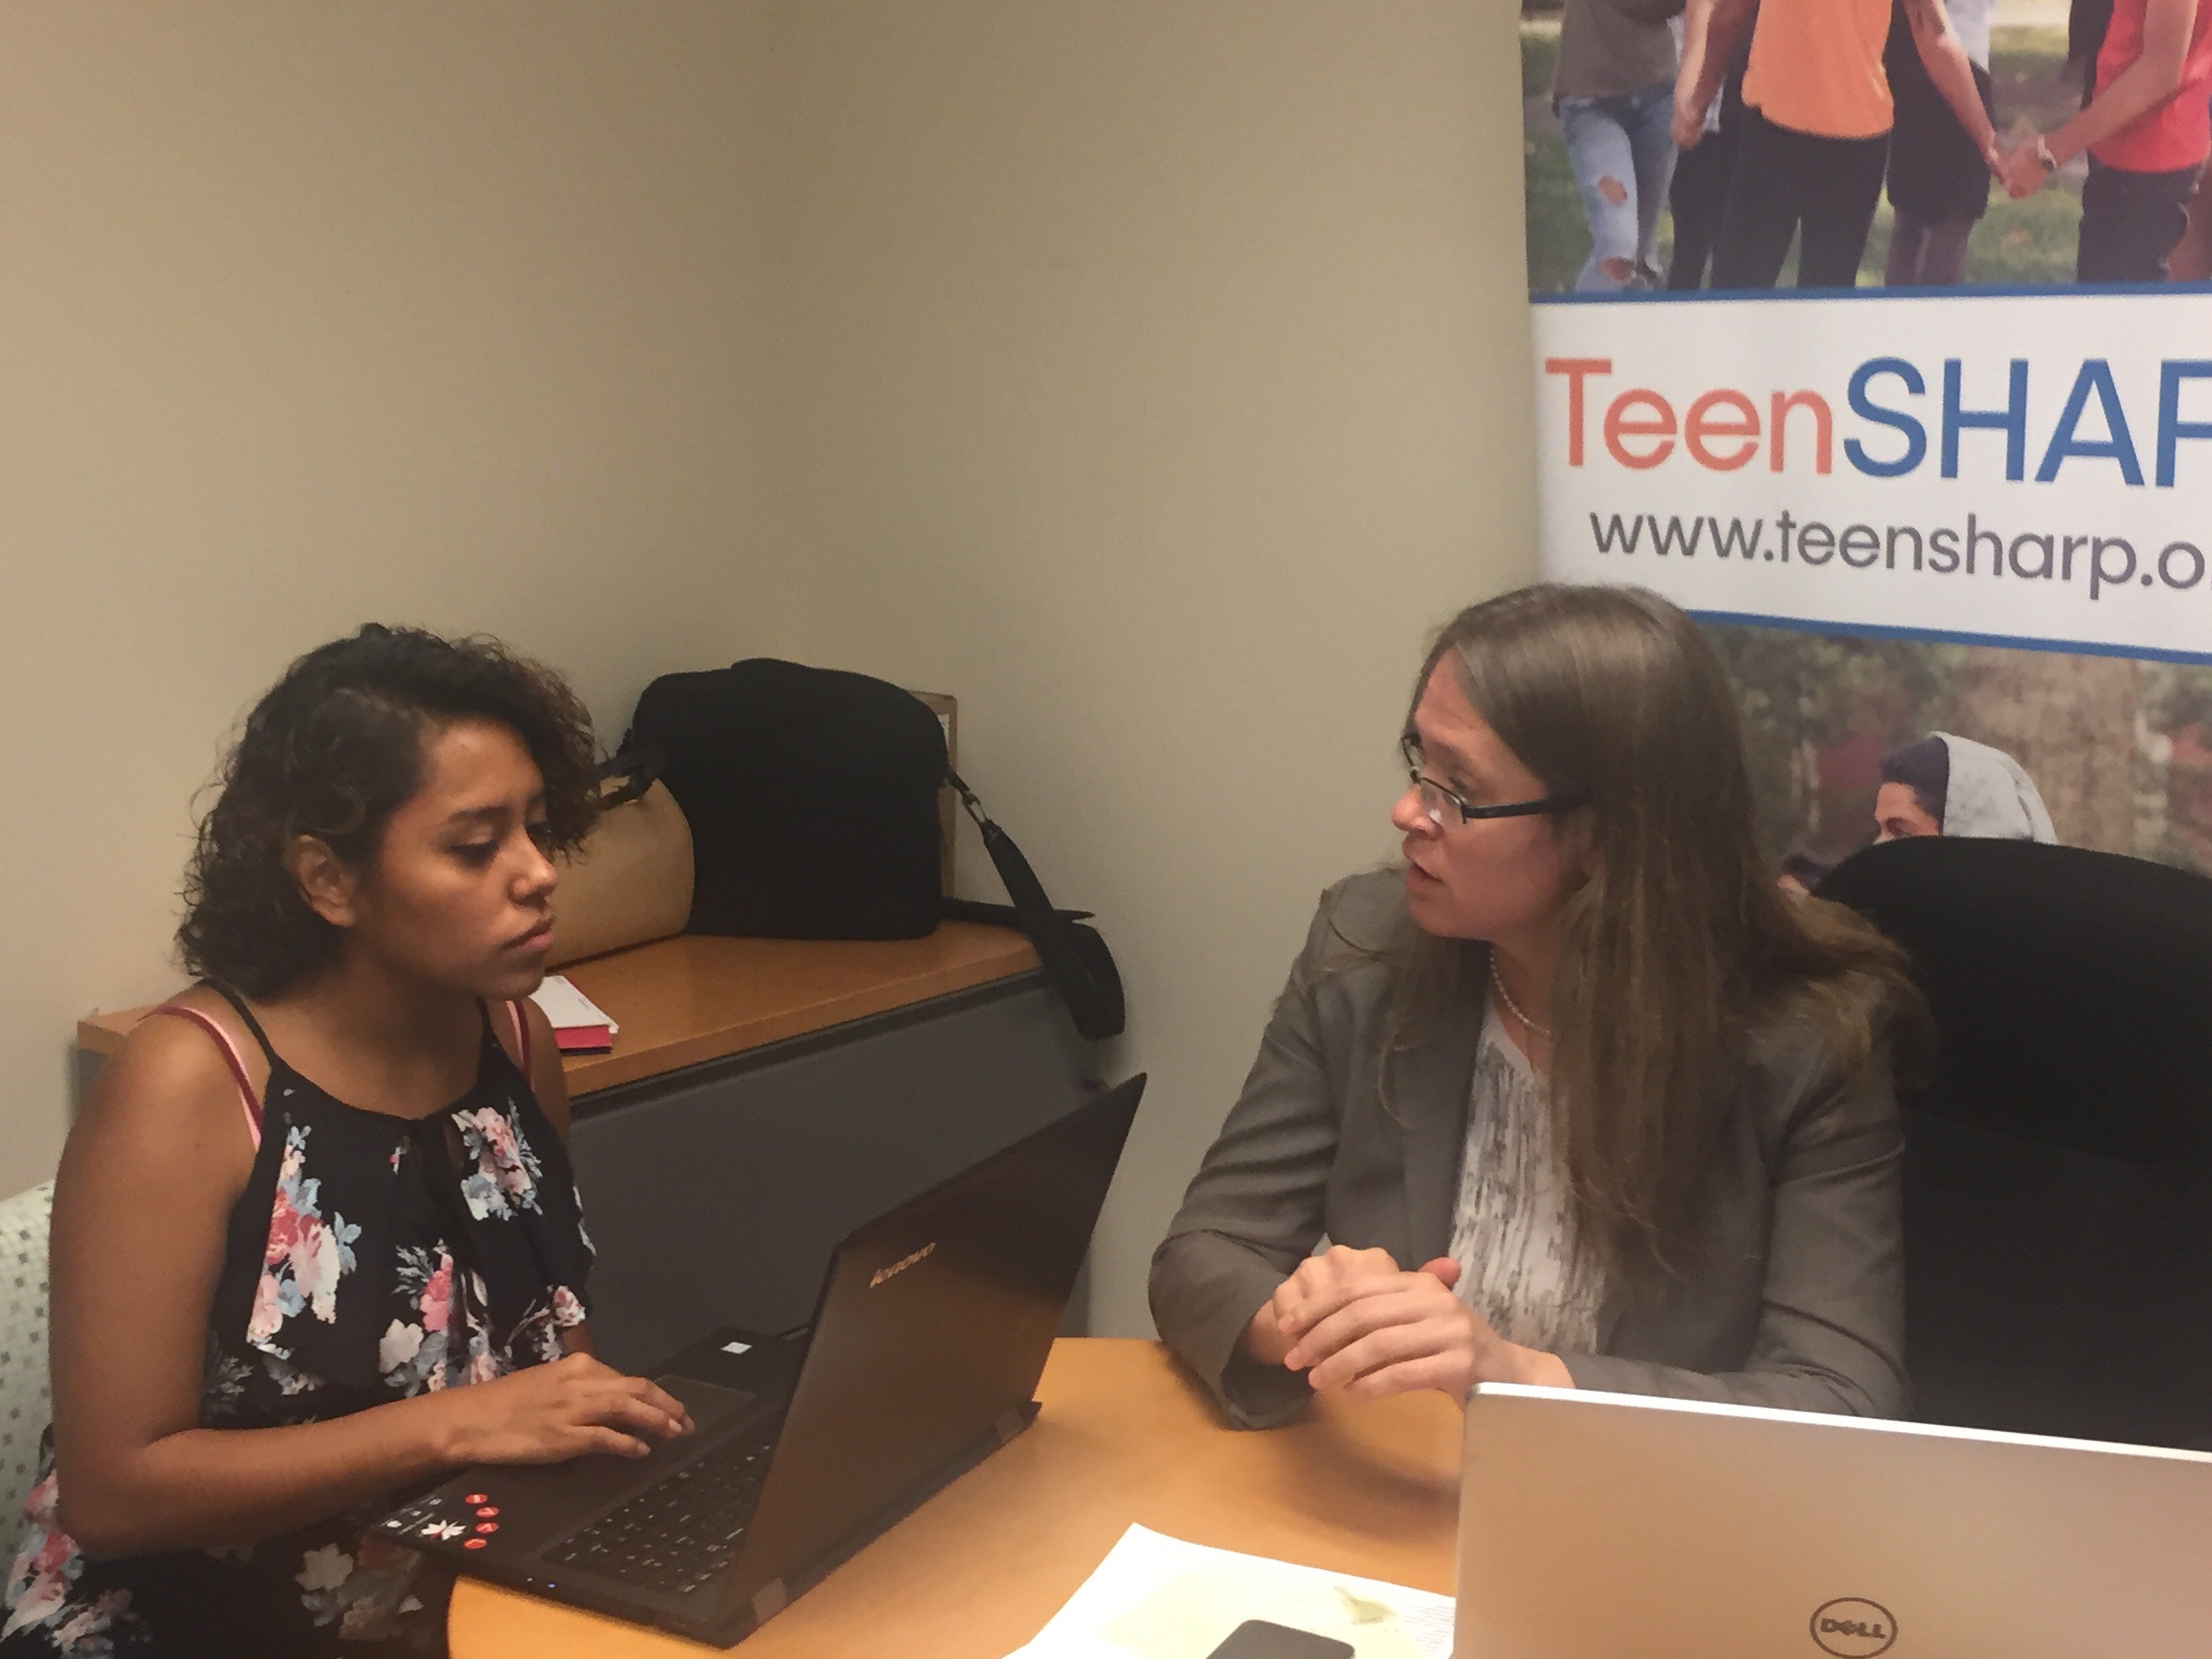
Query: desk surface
point(693, 997)
point(680, 1001)
point(1124, 1437)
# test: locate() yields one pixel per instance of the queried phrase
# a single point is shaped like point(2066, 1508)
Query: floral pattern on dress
point(417, 1316)
point(507, 1171)
point(365, 1592)
point(305, 1257)
point(46, 1569)
point(223, 1387)
point(423, 1354)
point(411, 1353)
point(538, 1332)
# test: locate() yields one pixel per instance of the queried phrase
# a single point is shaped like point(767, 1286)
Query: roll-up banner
point(1876, 334)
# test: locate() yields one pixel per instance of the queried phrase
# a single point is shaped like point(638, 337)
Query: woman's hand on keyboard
point(551, 1413)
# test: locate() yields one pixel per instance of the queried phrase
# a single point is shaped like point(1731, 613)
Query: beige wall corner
point(316, 314)
point(1156, 376)
point(1150, 375)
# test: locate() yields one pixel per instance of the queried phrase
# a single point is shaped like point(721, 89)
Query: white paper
point(567, 1007)
point(1156, 1597)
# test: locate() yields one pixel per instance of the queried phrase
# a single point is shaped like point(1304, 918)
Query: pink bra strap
point(522, 1036)
point(231, 1058)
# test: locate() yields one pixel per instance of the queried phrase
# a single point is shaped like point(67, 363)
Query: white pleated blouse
point(1522, 1267)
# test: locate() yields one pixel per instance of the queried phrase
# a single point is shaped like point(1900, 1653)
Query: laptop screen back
point(1610, 1524)
point(933, 1327)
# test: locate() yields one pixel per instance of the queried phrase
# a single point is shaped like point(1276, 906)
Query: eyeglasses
point(1435, 797)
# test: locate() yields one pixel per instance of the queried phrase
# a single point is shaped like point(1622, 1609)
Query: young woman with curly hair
point(315, 1240)
point(1576, 1096)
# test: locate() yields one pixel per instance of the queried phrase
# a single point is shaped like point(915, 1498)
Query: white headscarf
point(1989, 796)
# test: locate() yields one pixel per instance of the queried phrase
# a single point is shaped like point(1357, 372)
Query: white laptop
point(1605, 1526)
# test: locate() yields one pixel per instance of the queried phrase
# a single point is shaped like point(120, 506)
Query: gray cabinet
point(715, 1194)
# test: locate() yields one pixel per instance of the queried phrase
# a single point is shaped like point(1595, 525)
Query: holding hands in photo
point(2144, 119)
point(2027, 167)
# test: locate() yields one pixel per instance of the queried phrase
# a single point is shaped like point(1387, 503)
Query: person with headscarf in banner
point(1817, 118)
point(2148, 130)
point(1951, 786)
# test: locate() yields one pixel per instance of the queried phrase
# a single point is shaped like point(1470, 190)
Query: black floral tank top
point(366, 1262)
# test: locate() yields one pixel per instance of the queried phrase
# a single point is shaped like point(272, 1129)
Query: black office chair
point(2058, 1166)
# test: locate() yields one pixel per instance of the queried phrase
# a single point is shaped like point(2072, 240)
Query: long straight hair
point(1678, 943)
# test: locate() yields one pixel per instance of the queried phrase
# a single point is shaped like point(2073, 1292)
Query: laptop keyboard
point(682, 1530)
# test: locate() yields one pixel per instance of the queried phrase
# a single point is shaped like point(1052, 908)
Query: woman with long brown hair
point(1577, 1096)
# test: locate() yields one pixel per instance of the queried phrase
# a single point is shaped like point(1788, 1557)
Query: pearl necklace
point(1513, 1007)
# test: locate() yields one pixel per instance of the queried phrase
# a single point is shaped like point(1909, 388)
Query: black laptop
point(932, 1328)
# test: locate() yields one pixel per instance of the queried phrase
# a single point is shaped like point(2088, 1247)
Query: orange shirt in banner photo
point(1816, 67)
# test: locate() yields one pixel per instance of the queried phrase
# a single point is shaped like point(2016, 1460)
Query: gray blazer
point(1800, 1303)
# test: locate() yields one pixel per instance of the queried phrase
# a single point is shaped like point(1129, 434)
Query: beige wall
point(1157, 375)
point(314, 313)
point(1150, 373)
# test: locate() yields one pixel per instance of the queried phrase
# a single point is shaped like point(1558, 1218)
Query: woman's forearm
point(1697, 31)
point(1944, 57)
point(1690, 74)
point(2154, 77)
point(209, 1487)
point(2140, 87)
point(1727, 24)
point(1538, 1367)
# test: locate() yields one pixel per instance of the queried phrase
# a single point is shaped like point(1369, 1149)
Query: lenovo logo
point(1851, 1627)
point(901, 1265)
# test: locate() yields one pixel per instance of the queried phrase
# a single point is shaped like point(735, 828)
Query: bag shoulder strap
point(1075, 958)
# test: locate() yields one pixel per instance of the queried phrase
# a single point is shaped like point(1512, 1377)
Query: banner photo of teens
point(1677, 145)
point(1997, 210)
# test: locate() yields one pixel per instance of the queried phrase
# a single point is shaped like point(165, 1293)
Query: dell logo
point(901, 1265)
point(1851, 1627)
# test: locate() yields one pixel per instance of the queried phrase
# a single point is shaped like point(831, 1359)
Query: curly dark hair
point(333, 750)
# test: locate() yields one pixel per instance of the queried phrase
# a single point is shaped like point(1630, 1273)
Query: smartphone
point(1256, 1638)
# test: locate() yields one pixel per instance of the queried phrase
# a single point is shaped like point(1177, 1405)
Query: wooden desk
point(1124, 1437)
point(685, 1000)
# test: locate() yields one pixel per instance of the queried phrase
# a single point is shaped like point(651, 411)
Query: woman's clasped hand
point(1355, 1319)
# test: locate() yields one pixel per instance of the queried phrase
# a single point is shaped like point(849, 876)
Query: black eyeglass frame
point(1409, 749)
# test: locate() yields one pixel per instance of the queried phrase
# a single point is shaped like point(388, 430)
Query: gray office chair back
point(2058, 1167)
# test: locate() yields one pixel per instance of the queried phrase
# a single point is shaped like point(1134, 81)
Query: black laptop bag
point(812, 798)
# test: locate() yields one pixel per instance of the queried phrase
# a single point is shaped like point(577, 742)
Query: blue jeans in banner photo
point(1623, 156)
